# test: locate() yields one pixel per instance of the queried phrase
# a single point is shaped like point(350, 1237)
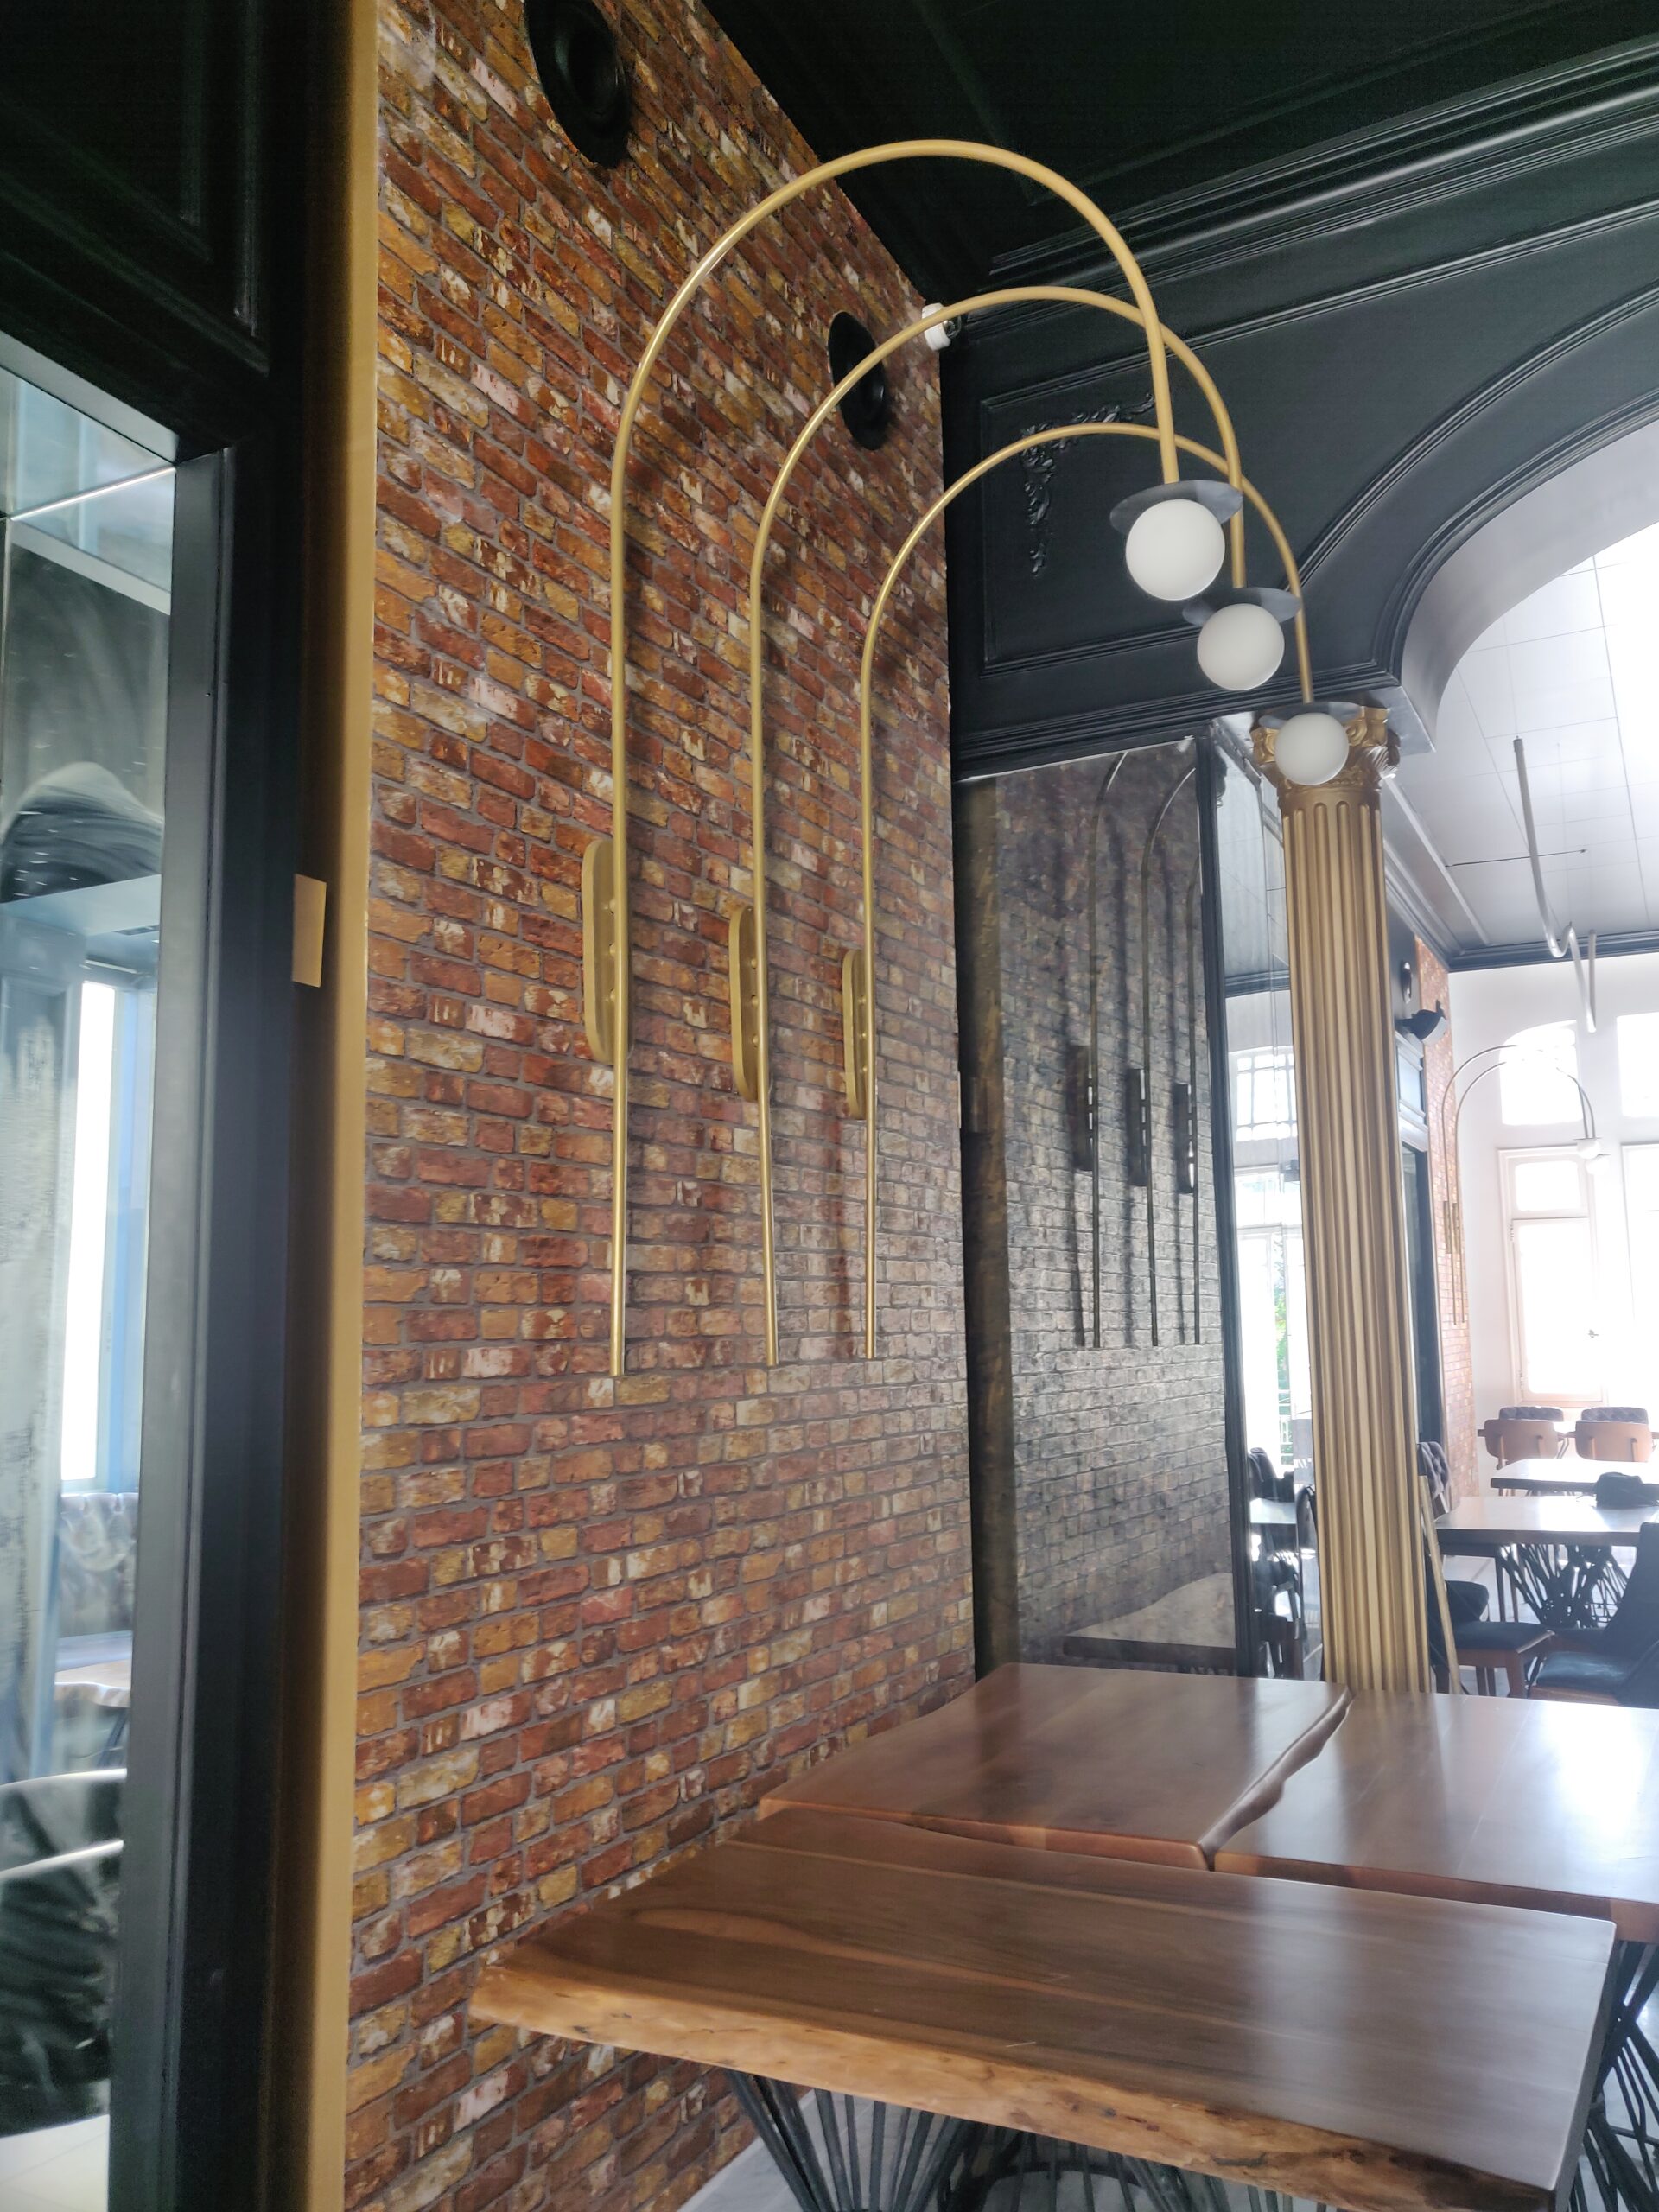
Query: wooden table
point(1191, 1627)
point(1376, 2052)
point(1082, 1759)
point(1558, 1551)
point(1501, 1800)
point(1560, 1477)
point(1574, 1521)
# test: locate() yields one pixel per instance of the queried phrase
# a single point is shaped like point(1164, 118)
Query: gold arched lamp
point(866, 1013)
point(606, 1009)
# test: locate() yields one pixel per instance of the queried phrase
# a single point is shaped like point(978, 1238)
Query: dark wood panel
point(1490, 1798)
point(1381, 2053)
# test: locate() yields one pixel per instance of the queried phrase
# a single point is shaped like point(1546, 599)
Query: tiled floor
point(58, 2169)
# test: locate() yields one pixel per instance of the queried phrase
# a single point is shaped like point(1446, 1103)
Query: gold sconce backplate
point(855, 1031)
point(745, 1006)
point(598, 948)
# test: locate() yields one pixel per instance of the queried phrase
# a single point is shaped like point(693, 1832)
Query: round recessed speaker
point(580, 67)
point(867, 409)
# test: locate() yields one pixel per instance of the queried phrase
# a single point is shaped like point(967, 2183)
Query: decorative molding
point(1506, 131)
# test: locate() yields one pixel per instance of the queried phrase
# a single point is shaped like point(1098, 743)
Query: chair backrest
point(98, 1534)
point(1599, 1438)
point(1266, 1481)
point(1436, 1471)
point(1442, 1641)
point(1531, 1413)
point(60, 1884)
point(1619, 1492)
point(1523, 1438)
point(1635, 1624)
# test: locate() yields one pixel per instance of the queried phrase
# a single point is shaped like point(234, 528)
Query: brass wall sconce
point(1169, 532)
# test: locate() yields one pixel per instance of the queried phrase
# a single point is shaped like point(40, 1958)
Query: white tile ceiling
point(1574, 671)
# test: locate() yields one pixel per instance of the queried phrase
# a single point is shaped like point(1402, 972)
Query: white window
point(1638, 1064)
point(1555, 1290)
point(1537, 1078)
point(1264, 1093)
point(1642, 1218)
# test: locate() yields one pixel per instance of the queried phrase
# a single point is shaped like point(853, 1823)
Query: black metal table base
point(1620, 2164)
point(1564, 1586)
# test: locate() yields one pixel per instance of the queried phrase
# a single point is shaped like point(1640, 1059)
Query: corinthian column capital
point(1372, 746)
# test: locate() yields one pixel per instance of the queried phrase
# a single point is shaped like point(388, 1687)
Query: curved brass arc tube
point(924, 523)
point(965, 149)
point(1015, 296)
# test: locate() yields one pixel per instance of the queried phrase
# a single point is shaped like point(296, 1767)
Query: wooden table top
point(1560, 1477)
point(1084, 1759)
point(1500, 1799)
point(1543, 1521)
point(1386, 2054)
point(1272, 1513)
point(1191, 1626)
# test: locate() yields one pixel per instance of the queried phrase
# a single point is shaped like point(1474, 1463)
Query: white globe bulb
point(1240, 647)
point(1175, 547)
point(1311, 748)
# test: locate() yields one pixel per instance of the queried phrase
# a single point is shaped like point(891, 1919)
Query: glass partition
point(1120, 1517)
point(84, 629)
point(1267, 1208)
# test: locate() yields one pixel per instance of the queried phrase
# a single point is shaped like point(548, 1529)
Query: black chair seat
point(1498, 1636)
point(1465, 1601)
point(1587, 1673)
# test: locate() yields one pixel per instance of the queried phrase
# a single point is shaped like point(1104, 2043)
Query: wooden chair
point(1613, 1433)
point(1521, 1435)
point(1488, 1647)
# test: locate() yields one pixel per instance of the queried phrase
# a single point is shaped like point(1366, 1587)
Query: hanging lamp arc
point(858, 995)
point(924, 522)
point(618, 1025)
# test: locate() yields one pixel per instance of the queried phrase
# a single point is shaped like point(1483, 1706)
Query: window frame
point(1528, 1388)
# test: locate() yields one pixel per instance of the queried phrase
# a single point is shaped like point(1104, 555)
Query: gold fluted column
point(1353, 1218)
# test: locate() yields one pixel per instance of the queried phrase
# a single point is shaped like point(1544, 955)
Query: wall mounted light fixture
point(580, 64)
point(1181, 513)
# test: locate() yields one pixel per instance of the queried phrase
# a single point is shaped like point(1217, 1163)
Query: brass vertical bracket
point(855, 1031)
point(745, 971)
point(599, 978)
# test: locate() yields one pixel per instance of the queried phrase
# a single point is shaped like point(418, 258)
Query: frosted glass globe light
point(1174, 548)
point(1311, 748)
point(1240, 647)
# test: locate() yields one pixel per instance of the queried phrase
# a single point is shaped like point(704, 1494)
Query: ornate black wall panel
point(1408, 348)
point(137, 194)
point(1168, 104)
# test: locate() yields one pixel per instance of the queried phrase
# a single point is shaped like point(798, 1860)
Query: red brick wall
point(596, 1618)
point(1457, 1366)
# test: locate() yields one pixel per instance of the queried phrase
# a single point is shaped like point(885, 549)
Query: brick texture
point(1120, 1454)
point(1457, 1361)
point(596, 1618)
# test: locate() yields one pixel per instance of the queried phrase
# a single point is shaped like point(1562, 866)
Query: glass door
point(84, 620)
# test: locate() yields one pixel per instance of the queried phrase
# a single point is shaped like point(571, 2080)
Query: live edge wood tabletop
point(1383, 2053)
point(1131, 1765)
point(1507, 1800)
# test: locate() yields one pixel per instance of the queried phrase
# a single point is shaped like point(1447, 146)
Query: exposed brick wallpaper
point(1121, 1469)
point(1457, 1363)
point(596, 1620)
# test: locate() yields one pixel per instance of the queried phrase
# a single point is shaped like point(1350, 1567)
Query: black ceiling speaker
point(867, 409)
point(580, 67)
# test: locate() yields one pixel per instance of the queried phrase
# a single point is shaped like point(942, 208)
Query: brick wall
point(596, 1618)
point(1121, 1472)
point(1457, 1363)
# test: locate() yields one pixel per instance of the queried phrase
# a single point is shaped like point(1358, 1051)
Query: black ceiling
point(1134, 104)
